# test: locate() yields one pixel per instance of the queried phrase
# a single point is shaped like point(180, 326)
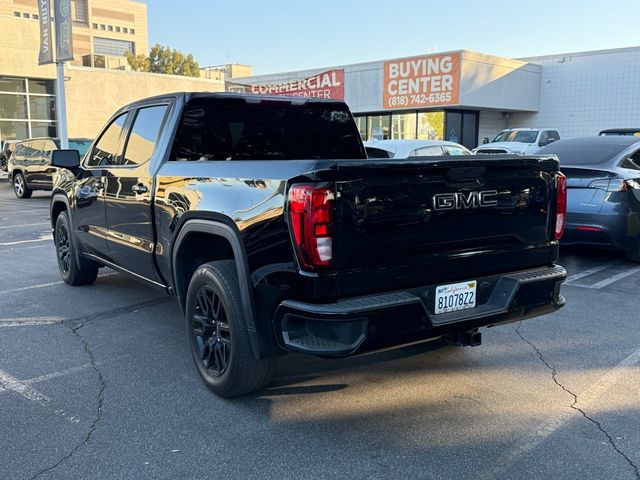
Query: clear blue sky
point(275, 36)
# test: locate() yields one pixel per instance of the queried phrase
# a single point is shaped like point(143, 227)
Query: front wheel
point(20, 187)
point(73, 271)
point(217, 333)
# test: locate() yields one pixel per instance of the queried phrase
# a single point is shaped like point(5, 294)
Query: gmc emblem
point(465, 200)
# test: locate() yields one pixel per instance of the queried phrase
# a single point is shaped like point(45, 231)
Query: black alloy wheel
point(63, 249)
point(211, 331)
point(218, 334)
point(74, 269)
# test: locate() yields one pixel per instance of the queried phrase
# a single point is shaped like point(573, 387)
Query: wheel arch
point(59, 204)
point(187, 250)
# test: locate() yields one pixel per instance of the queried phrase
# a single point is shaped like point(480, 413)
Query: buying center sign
point(427, 81)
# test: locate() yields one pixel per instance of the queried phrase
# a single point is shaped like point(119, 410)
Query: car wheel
point(73, 271)
point(217, 333)
point(20, 187)
point(633, 254)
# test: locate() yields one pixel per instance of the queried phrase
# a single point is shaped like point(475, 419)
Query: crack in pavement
point(574, 405)
point(75, 325)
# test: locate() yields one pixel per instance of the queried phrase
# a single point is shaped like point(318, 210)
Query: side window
point(434, 151)
point(451, 150)
point(144, 135)
point(544, 139)
point(33, 149)
point(554, 135)
point(18, 152)
point(632, 161)
point(106, 152)
point(47, 147)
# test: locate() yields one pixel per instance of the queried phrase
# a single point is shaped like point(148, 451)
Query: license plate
point(457, 296)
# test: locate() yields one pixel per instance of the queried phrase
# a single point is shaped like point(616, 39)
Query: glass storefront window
point(361, 123)
point(13, 85)
point(42, 108)
point(43, 129)
point(430, 125)
point(46, 87)
point(403, 126)
point(13, 106)
point(13, 130)
point(379, 127)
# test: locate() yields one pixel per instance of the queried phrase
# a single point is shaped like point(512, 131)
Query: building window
point(22, 114)
point(103, 26)
point(379, 127)
point(403, 126)
point(110, 46)
point(132, 31)
point(118, 29)
point(81, 12)
point(16, 14)
point(430, 125)
point(110, 28)
point(125, 29)
point(26, 15)
point(35, 16)
point(12, 85)
point(41, 87)
point(95, 26)
point(361, 123)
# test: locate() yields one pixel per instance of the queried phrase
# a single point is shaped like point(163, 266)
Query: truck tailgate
point(425, 220)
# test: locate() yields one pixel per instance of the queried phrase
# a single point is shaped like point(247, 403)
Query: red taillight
point(311, 219)
point(561, 206)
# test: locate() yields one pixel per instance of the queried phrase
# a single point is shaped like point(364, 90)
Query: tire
point(633, 254)
point(217, 333)
point(20, 187)
point(72, 272)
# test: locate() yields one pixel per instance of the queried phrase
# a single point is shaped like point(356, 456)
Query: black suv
point(30, 166)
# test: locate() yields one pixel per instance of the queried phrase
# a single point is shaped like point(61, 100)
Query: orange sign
point(429, 81)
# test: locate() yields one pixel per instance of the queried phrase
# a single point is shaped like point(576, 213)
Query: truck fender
point(246, 291)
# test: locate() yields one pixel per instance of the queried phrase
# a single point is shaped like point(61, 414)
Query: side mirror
point(485, 140)
point(69, 159)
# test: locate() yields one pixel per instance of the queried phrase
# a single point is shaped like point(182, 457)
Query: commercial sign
point(62, 16)
point(45, 54)
point(427, 81)
point(329, 84)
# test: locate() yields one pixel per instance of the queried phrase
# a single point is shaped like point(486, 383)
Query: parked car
point(5, 152)
point(603, 180)
point(265, 219)
point(30, 166)
point(620, 131)
point(519, 141)
point(412, 148)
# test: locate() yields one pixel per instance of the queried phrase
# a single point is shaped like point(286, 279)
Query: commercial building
point(98, 81)
point(466, 96)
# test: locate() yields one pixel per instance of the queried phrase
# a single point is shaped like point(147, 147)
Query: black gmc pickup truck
point(265, 219)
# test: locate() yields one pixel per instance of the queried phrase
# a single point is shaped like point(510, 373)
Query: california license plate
point(456, 296)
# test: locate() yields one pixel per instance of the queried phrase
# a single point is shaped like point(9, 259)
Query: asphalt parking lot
point(97, 383)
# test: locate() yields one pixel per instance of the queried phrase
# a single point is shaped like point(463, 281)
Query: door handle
point(139, 188)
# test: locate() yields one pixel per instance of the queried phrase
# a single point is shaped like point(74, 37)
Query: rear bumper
point(615, 230)
point(360, 324)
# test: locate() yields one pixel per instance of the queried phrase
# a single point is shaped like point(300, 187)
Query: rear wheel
point(633, 254)
point(20, 187)
point(73, 271)
point(217, 333)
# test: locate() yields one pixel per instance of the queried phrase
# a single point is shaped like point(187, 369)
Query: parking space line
point(590, 271)
point(614, 278)
point(8, 382)
point(25, 225)
point(60, 373)
point(29, 322)
point(43, 285)
point(13, 250)
point(47, 238)
point(502, 465)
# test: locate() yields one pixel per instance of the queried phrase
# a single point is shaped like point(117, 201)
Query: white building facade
point(466, 96)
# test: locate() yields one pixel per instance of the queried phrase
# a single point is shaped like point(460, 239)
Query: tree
point(138, 63)
point(165, 60)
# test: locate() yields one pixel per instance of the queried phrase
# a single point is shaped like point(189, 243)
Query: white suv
point(520, 141)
